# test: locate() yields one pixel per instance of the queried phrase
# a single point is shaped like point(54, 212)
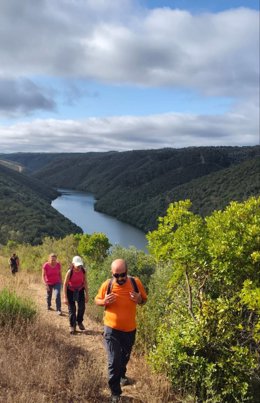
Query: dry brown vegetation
point(42, 362)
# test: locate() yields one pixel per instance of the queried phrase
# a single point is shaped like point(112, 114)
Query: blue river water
point(79, 208)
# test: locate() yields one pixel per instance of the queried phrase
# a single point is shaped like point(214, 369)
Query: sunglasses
point(117, 275)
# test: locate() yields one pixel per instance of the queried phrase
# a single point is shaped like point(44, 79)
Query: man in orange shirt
point(120, 301)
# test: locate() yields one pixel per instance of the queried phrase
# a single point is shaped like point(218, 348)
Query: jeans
point(73, 298)
point(118, 346)
point(56, 288)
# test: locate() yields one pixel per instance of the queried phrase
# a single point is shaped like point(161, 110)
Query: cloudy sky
point(100, 75)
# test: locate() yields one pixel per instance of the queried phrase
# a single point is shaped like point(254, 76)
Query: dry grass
point(37, 366)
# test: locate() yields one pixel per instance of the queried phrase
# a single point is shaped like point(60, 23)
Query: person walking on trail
point(52, 278)
point(14, 263)
point(120, 296)
point(75, 290)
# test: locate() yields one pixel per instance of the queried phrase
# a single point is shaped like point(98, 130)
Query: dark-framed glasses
point(117, 275)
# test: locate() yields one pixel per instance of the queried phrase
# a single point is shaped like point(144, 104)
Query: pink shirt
point(52, 275)
point(76, 281)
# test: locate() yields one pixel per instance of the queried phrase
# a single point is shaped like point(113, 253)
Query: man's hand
point(109, 299)
point(136, 297)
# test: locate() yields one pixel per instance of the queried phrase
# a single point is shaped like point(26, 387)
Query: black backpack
point(134, 285)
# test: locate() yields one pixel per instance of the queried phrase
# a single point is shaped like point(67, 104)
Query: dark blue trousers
point(76, 315)
point(118, 346)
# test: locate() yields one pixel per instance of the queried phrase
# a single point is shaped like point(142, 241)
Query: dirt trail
point(91, 341)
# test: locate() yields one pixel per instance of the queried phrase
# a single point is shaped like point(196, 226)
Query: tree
point(94, 248)
point(209, 345)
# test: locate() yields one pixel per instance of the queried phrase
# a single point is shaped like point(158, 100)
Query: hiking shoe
point(124, 381)
point(81, 326)
point(49, 308)
point(59, 313)
point(72, 330)
point(115, 399)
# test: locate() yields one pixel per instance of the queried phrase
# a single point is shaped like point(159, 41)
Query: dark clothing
point(118, 346)
point(56, 288)
point(77, 296)
point(14, 260)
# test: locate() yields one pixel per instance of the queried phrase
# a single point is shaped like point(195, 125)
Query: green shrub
point(207, 337)
point(15, 309)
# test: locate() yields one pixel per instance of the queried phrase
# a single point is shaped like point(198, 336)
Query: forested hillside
point(137, 186)
point(209, 193)
point(26, 213)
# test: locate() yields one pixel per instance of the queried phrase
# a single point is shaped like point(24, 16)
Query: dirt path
point(145, 387)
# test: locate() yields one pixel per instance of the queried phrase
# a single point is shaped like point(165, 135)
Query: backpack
point(134, 285)
point(71, 272)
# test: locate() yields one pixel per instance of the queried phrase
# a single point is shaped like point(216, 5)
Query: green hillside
point(137, 186)
point(26, 213)
point(209, 193)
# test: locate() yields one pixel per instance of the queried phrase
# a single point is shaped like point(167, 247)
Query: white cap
point(77, 261)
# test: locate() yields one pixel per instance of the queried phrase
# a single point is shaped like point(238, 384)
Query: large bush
point(207, 339)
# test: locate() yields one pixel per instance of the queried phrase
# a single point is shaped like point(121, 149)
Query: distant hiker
point(14, 263)
point(119, 296)
point(51, 277)
point(75, 290)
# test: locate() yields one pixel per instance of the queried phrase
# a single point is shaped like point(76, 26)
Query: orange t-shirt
point(121, 314)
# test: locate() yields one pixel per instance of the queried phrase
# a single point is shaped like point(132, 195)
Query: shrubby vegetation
point(200, 325)
point(15, 309)
point(206, 294)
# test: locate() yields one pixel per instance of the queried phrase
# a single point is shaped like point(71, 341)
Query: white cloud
point(129, 132)
point(215, 54)
point(212, 53)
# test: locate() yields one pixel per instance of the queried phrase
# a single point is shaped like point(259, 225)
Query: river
point(79, 208)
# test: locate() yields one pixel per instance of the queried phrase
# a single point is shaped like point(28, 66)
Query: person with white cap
point(75, 290)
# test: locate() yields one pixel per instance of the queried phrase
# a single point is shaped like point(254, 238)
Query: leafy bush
point(207, 338)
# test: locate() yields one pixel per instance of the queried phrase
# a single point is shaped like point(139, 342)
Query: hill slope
point(208, 193)
point(137, 186)
point(26, 213)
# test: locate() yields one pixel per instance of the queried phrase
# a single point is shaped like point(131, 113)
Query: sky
point(118, 75)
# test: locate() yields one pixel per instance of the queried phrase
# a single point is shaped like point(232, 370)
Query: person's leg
point(113, 348)
point(49, 296)
point(72, 309)
point(57, 288)
point(81, 307)
point(13, 269)
point(127, 340)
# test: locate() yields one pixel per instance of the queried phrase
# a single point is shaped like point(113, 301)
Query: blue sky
point(93, 75)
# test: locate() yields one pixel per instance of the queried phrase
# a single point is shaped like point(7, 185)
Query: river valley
point(79, 208)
